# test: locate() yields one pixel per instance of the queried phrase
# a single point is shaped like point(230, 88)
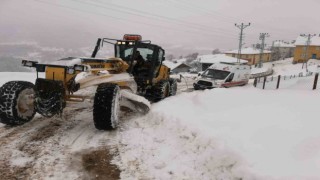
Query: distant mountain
point(11, 54)
point(11, 64)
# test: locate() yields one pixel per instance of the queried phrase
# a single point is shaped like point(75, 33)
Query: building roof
point(248, 50)
point(215, 58)
point(302, 41)
point(173, 65)
point(282, 44)
point(183, 60)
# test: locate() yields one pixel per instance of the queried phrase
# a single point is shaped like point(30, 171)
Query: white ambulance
point(223, 74)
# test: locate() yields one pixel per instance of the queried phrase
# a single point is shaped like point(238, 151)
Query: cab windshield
point(215, 74)
point(125, 52)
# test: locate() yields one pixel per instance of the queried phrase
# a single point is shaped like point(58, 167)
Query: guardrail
point(265, 80)
point(263, 74)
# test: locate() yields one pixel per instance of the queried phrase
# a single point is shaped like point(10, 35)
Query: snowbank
point(226, 134)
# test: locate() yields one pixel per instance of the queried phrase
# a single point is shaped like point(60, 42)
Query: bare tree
point(216, 51)
point(170, 57)
point(276, 53)
point(191, 57)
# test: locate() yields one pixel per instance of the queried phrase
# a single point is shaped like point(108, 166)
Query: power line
point(215, 13)
point(118, 18)
point(159, 17)
point(227, 18)
point(192, 8)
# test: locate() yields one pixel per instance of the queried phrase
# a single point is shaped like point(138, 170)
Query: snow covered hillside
point(234, 133)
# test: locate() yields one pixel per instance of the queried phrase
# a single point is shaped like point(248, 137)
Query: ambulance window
point(230, 77)
point(216, 74)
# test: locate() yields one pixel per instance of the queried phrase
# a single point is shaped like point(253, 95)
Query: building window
point(318, 48)
point(303, 55)
point(233, 55)
point(304, 48)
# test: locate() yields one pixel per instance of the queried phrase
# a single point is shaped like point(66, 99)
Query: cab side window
point(158, 62)
point(229, 79)
point(160, 57)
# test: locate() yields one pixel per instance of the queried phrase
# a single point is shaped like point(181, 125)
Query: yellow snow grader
point(132, 78)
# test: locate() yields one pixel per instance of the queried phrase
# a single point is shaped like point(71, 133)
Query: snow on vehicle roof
point(215, 58)
point(302, 41)
point(228, 65)
point(248, 50)
point(70, 61)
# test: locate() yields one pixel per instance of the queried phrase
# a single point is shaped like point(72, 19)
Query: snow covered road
point(54, 148)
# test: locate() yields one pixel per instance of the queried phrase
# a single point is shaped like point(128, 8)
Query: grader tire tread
point(104, 104)
point(161, 90)
point(173, 87)
point(8, 103)
point(49, 97)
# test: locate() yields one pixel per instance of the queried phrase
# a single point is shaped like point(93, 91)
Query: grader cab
point(121, 82)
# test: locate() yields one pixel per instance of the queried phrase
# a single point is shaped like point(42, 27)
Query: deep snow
point(269, 134)
point(241, 132)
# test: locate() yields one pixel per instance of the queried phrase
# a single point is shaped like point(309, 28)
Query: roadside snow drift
point(226, 134)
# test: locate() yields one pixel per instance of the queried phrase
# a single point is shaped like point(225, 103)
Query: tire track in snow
point(19, 144)
point(30, 142)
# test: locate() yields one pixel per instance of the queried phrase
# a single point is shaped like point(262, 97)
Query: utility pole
point(306, 52)
point(241, 27)
point(272, 51)
point(262, 38)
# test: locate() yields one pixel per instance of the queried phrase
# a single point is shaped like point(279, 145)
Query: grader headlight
point(70, 70)
point(81, 68)
point(29, 63)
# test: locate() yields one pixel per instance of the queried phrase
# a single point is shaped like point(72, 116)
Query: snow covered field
point(235, 133)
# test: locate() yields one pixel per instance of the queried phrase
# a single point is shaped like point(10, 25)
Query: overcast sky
point(174, 24)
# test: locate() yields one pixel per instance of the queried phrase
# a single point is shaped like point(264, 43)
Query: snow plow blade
point(135, 102)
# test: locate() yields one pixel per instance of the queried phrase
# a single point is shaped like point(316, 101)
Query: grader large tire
point(173, 87)
point(49, 97)
point(106, 106)
point(161, 90)
point(17, 102)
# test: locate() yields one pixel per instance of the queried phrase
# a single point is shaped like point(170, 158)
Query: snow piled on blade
point(226, 134)
point(139, 101)
point(67, 61)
